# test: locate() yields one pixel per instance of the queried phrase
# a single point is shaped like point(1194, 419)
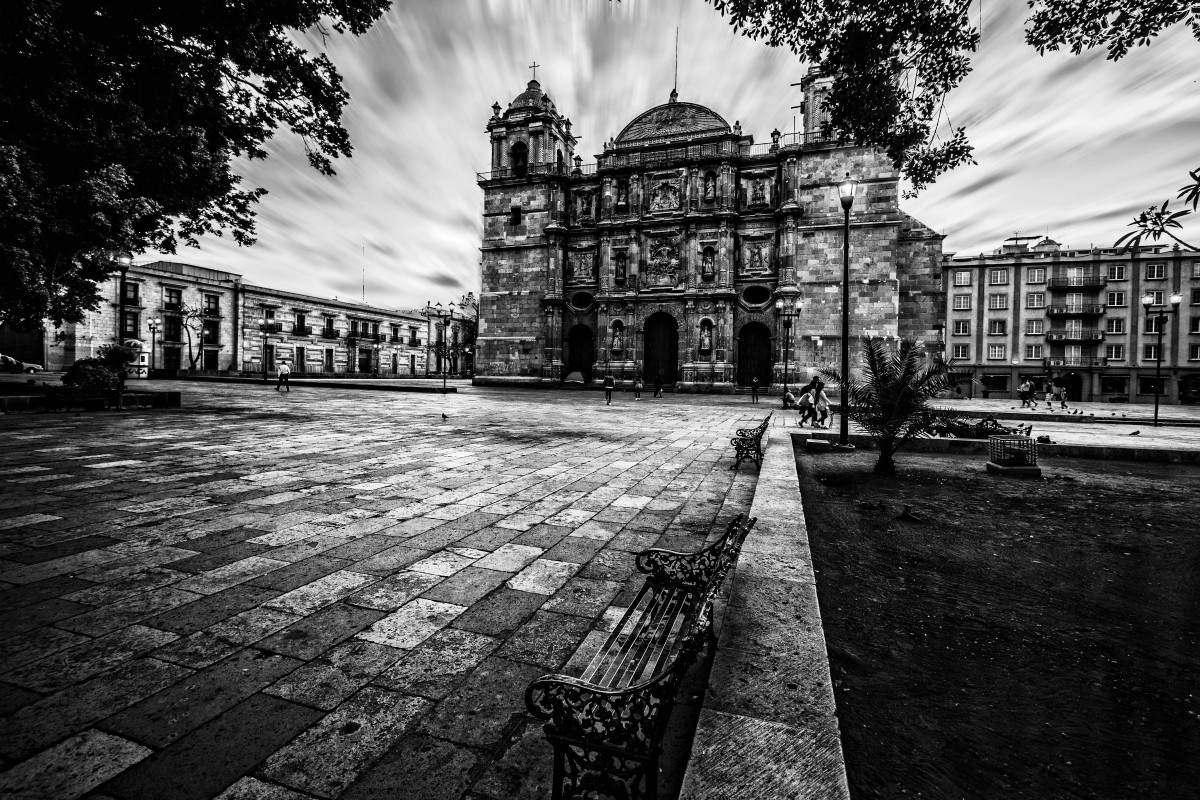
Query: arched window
point(618, 337)
point(518, 159)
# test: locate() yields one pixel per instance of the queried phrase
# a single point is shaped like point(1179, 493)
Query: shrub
point(92, 374)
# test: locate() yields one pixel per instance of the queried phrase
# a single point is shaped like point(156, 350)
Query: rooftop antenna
point(675, 85)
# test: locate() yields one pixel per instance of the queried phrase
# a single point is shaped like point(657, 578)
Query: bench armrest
point(699, 568)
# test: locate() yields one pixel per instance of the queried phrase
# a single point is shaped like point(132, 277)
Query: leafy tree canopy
point(119, 122)
point(893, 62)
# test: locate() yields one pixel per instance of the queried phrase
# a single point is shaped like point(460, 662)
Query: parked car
point(10, 364)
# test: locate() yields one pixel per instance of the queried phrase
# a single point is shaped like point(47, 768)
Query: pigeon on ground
point(1136, 433)
point(444, 416)
point(911, 515)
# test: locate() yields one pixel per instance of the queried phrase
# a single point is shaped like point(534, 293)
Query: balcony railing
point(330, 333)
point(1077, 282)
point(172, 307)
point(536, 170)
point(1078, 309)
point(1075, 361)
point(271, 327)
point(302, 330)
point(1088, 335)
point(363, 336)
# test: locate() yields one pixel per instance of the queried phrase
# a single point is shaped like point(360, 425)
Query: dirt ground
point(1028, 639)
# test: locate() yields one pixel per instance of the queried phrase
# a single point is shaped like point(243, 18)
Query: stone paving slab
point(265, 596)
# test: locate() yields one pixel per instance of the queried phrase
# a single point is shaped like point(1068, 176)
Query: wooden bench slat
point(638, 632)
point(655, 644)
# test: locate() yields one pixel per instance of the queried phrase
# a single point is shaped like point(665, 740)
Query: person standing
point(609, 385)
point(637, 388)
point(1049, 396)
point(754, 390)
point(283, 371)
point(1062, 396)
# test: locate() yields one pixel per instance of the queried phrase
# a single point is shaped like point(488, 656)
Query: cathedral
point(687, 252)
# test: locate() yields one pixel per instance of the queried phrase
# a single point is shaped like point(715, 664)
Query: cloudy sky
point(1070, 146)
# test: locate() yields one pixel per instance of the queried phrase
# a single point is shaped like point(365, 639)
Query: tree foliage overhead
point(893, 62)
point(119, 122)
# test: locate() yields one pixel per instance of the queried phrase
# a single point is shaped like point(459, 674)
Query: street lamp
point(846, 193)
point(444, 317)
point(153, 324)
point(375, 372)
point(786, 312)
point(1161, 315)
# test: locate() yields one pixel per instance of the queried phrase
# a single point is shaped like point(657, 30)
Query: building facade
point(1076, 318)
point(685, 249)
point(185, 317)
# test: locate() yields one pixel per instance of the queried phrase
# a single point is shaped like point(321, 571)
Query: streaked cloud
point(1065, 145)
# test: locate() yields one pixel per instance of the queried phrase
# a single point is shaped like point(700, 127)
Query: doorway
point(662, 348)
point(269, 358)
point(329, 359)
point(754, 354)
point(581, 351)
point(301, 360)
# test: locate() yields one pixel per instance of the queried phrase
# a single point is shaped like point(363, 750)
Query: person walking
point(821, 401)
point(283, 371)
point(609, 385)
point(1025, 390)
point(1061, 395)
point(754, 390)
point(658, 384)
point(807, 406)
point(637, 388)
point(1049, 396)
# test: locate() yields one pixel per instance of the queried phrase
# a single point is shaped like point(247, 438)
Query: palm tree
point(891, 401)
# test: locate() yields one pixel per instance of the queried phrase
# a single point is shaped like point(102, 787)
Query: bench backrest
point(697, 570)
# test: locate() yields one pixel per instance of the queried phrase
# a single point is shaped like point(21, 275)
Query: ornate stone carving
point(581, 266)
point(666, 197)
point(663, 262)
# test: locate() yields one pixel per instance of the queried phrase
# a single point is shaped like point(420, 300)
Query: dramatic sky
point(1070, 146)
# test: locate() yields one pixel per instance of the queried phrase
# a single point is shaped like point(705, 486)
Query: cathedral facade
point(687, 252)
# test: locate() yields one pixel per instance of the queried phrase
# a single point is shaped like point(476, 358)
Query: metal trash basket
point(1012, 451)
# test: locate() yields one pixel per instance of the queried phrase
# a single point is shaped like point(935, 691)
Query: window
point(962, 327)
point(212, 304)
point(172, 329)
point(1114, 325)
point(1073, 353)
point(996, 351)
point(1033, 351)
point(130, 325)
point(997, 301)
point(395, 335)
point(1114, 352)
point(212, 331)
point(1157, 297)
point(1037, 275)
point(995, 383)
point(1194, 352)
point(329, 324)
point(375, 329)
point(1035, 327)
point(961, 351)
point(1116, 299)
point(1116, 272)
point(130, 292)
point(1155, 324)
point(413, 341)
point(1075, 276)
point(1035, 300)
point(962, 278)
point(172, 298)
point(1196, 297)
point(1150, 352)
point(1074, 302)
point(1074, 329)
point(301, 319)
point(962, 302)
point(999, 277)
point(1156, 272)
point(1114, 384)
point(514, 216)
point(1195, 325)
point(997, 327)
point(1196, 269)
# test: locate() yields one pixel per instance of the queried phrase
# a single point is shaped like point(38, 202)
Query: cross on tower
point(534, 68)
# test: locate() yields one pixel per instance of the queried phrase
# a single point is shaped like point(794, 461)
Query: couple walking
point(813, 404)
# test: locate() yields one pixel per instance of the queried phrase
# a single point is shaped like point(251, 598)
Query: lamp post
point(846, 193)
point(786, 312)
point(1161, 315)
point(375, 371)
point(444, 316)
point(153, 324)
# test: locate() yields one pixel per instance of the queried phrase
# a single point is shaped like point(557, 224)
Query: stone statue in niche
point(622, 193)
point(663, 264)
point(756, 259)
point(666, 197)
point(618, 343)
point(758, 192)
point(710, 188)
point(579, 267)
point(620, 268)
point(705, 338)
point(708, 266)
point(585, 206)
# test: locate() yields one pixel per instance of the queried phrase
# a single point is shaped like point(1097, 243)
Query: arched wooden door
point(754, 354)
point(662, 348)
point(581, 351)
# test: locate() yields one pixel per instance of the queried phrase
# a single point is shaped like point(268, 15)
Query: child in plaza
point(637, 388)
point(754, 390)
point(283, 371)
point(658, 383)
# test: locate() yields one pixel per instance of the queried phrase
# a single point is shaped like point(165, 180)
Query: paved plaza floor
point(328, 593)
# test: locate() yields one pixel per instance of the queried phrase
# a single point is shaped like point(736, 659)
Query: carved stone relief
point(581, 266)
point(663, 261)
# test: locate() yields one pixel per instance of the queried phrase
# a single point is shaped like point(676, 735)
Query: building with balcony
point(186, 317)
point(1035, 310)
point(670, 255)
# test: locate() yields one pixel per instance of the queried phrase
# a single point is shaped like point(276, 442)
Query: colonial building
point(686, 248)
point(187, 317)
point(1076, 318)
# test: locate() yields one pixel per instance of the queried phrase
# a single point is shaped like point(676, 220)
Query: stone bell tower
point(520, 309)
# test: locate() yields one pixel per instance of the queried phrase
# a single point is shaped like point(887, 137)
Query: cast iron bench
point(607, 725)
point(747, 444)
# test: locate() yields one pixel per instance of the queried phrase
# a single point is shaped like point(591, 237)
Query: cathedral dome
point(672, 119)
point(530, 98)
